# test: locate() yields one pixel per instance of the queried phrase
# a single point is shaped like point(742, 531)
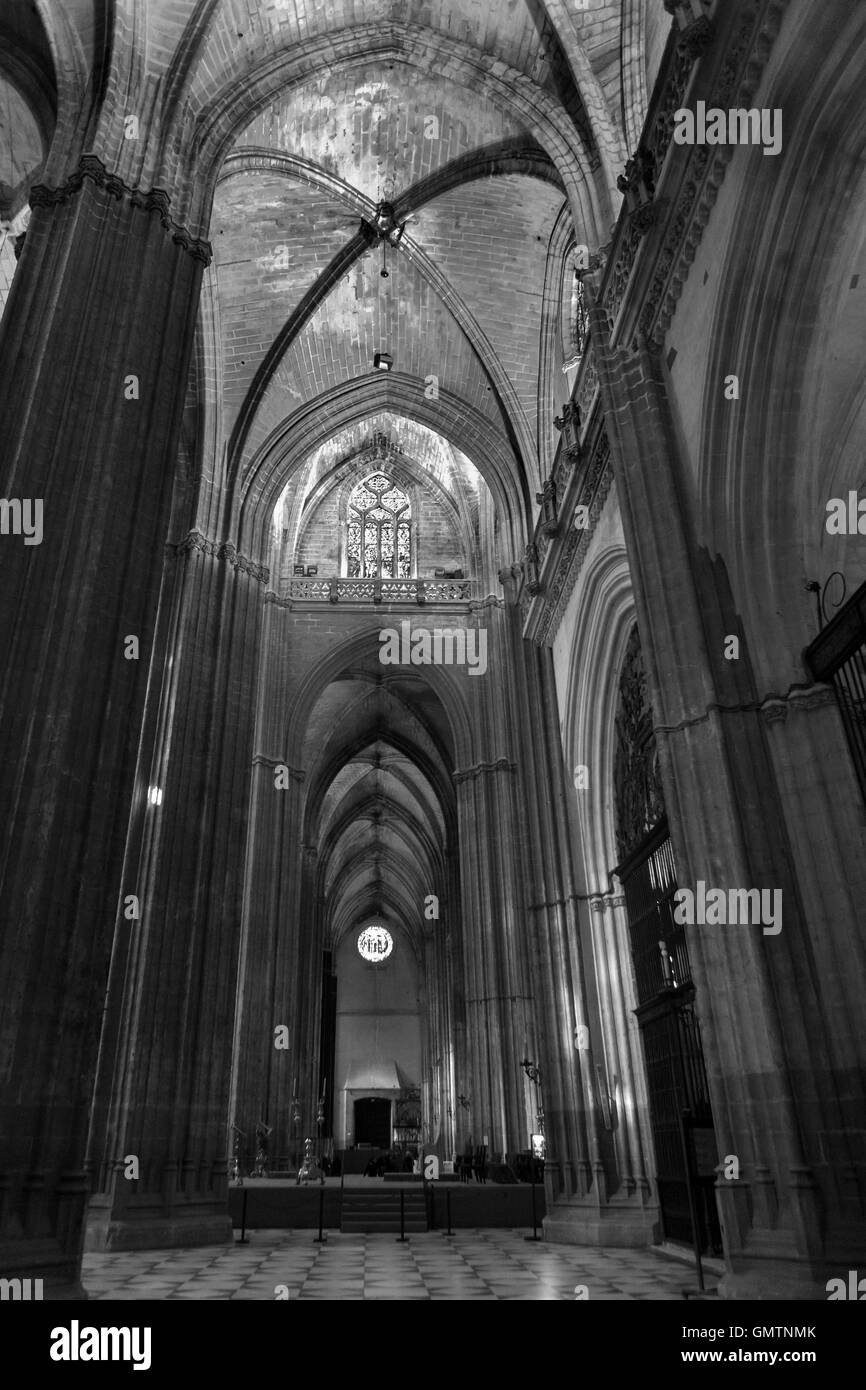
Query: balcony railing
point(392, 591)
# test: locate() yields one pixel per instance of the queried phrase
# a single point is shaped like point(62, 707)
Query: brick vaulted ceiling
point(474, 295)
point(464, 298)
point(497, 127)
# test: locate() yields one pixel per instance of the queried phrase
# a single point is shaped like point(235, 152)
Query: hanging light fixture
point(386, 224)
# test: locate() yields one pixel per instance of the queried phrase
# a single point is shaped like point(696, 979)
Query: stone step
point(381, 1226)
point(380, 1212)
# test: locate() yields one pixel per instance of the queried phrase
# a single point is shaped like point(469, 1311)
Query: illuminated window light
point(375, 943)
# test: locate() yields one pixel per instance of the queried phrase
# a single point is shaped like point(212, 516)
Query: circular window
point(375, 943)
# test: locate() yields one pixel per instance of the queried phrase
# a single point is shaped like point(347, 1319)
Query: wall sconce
point(534, 1074)
point(383, 361)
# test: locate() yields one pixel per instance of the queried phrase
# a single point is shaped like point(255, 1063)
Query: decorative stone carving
point(568, 423)
point(637, 784)
point(588, 387)
point(194, 540)
point(156, 200)
point(510, 578)
point(531, 569)
point(696, 31)
point(740, 75)
point(464, 774)
point(547, 499)
point(593, 494)
point(637, 183)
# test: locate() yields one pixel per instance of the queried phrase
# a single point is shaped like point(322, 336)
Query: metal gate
point(838, 656)
point(670, 1032)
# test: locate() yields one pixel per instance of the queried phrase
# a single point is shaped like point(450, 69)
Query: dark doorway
point(669, 1025)
point(373, 1122)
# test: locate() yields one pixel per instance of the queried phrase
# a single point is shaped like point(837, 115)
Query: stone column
point(594, 1193)
point(176, 972)
point(280, 891)
point(498, 987)
point(94, 362)
point(754, 996)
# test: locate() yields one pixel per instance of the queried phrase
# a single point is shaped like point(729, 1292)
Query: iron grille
point(838, 656)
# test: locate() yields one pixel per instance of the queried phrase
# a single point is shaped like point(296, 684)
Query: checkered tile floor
point(490, 1264)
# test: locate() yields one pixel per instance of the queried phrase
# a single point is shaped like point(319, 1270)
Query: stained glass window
point(379, 533)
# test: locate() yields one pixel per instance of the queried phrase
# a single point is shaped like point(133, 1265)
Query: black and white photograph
point(433, 669)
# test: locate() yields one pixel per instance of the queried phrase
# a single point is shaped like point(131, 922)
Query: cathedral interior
point(433, 606)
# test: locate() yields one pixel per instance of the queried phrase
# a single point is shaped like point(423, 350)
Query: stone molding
point(491, 601)
point(222, 550)
point(463, 774)
point(745, 59)
point(593, 494)
point(155, 200)
point(773, 709)
point(599, 902)
point(262, 760)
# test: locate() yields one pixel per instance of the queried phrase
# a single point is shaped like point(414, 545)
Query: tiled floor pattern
point(490, 1264)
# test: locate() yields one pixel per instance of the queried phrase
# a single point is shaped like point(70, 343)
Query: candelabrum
point(235, 1174)
point(310, 1170)
point(260, 1167)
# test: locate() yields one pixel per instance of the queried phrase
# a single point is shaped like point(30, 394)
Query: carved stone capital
point(194, 540)
point(154, 200)
point(465, 774)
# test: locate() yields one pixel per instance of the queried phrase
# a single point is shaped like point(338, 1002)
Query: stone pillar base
point(156, 1230)
point(771, 1280)
point(772, 1267)
point(575, 1223)
point(29, 1260)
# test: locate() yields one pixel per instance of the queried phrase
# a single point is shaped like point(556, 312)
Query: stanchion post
point(535, 1235)
point(402, 1235)
point(243, 1240)
point(320, 1239)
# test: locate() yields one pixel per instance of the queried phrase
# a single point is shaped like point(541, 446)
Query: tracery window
point(379, 536)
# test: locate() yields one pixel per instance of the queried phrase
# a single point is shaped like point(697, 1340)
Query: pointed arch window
point(379, 535)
